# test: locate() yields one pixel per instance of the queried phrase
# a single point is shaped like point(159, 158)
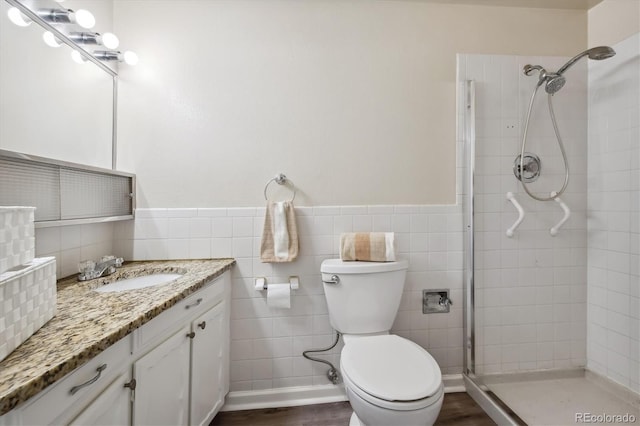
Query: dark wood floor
point(457, 409)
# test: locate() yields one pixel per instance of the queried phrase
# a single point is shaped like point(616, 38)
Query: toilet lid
point(390, 367)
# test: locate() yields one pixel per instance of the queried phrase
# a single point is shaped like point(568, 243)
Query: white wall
point(614, 221)
point(353, 100)
point(612, 21)
point(530, 290)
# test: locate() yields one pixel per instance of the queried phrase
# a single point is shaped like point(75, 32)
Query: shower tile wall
point(531, 289)
point(267, 344)
point(614, 220)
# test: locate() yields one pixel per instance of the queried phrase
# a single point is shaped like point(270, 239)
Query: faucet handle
point(116, 260)
point(86, 266)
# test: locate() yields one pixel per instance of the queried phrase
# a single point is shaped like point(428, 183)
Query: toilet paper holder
point(261, 283)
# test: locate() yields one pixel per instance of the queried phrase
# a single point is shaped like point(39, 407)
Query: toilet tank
point(367, 295)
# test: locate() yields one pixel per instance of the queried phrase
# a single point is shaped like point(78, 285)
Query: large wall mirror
point(51, 106)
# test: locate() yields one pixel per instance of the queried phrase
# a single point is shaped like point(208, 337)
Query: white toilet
point(389, 380)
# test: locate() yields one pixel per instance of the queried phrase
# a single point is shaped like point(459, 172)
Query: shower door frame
point(474, 386)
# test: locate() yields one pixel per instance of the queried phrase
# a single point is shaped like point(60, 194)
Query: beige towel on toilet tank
point(280, 234)
point(368, 246)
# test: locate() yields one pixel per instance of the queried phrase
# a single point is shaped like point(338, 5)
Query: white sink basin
point(138, 282)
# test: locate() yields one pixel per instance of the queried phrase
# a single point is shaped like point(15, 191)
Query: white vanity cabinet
point(182, 375)
point(111, 407)
point(172, 370)
point(208, 357)
point(80, 390)
point(162, 383)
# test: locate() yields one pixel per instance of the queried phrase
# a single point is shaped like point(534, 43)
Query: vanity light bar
point(54, 37)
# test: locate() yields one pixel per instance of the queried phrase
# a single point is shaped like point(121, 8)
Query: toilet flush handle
point(333, 280)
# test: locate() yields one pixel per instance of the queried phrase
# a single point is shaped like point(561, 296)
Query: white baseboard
point(284, 397)
point(307, 395)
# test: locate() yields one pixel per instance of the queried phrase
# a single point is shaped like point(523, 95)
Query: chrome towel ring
point(280, 179)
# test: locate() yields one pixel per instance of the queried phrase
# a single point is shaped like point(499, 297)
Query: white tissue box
point(27, 301)
point(17, 237)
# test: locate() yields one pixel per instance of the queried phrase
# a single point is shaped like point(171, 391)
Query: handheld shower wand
point(553, 82)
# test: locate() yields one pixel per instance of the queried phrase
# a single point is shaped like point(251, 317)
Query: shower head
point(596, 53)
point(554, 81)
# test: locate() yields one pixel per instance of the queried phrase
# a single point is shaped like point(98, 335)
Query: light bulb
point(77, 57)
point(110, 40)
point(85, 19)
point(50, 39)
point(18, 17)
point(130, 58)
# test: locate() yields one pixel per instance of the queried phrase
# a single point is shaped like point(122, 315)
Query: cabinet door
point(162, 379)
point(207, 355)
point(111, 407)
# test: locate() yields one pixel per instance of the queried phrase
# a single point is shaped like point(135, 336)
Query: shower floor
point(565, 398)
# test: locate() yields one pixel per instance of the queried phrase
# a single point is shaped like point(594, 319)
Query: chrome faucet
point(89, 269)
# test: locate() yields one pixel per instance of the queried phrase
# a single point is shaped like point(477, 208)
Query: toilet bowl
point(391, 381)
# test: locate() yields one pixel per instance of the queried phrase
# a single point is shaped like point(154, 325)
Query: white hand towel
point(280, 234)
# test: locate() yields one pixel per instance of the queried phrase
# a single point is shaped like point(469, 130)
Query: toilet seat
point(391, 372)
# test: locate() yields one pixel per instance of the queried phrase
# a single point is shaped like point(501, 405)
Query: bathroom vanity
point(146, 356)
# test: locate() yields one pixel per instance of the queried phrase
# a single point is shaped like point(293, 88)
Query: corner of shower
point(525, 304)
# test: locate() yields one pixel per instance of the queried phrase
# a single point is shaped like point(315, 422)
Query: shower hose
point(560, 144)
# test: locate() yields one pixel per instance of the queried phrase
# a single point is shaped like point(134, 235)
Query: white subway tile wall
point(267, 344)
point(614, 220)
point(72, 244)
point(530, 298)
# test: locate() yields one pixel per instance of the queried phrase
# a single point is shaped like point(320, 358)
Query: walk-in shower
point(536, 295)
point(553, 82)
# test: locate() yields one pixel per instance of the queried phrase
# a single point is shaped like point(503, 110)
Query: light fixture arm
point(108, 55)
point(86, 37)
point(57, 16)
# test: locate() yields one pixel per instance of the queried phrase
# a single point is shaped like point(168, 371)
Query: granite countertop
point(88, 322)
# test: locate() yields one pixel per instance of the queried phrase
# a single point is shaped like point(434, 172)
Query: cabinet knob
point(202, 325)
point(131, 385)
point(191, 335)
